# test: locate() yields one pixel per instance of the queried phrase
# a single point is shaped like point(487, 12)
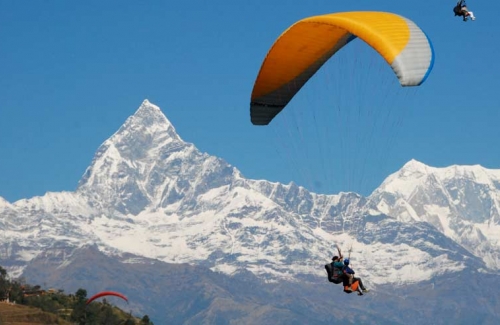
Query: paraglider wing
point(304, 47)
point(106, 293)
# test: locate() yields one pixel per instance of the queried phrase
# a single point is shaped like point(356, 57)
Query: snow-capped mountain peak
point(147, 125)
point(414, 174)
point(124, 170)
point(149, 193)
point(414, 165)
point(463, 202)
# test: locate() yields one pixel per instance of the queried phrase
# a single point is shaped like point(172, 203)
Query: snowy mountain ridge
point(149, 193)
point(463, 202)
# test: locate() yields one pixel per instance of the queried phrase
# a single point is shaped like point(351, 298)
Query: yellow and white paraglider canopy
point(304, 47)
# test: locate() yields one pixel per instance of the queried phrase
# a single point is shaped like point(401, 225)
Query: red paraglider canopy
point(106, 293)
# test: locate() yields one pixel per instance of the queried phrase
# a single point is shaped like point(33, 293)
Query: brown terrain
point(11, 314)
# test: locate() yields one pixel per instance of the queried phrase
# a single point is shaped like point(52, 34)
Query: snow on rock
point(463, 202)
point(149, 193)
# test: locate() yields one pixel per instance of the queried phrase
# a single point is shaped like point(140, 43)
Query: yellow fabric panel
point(294, 51)
point(385, 32)
point(307, 40)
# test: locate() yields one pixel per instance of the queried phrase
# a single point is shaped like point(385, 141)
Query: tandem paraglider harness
point(334, 274)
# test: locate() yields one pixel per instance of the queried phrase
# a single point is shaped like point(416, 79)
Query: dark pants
point(360, 283)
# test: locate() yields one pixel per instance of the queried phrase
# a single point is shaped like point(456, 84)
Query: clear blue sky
point(71, 72)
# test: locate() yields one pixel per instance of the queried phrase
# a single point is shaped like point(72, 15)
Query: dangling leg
point(361, 284)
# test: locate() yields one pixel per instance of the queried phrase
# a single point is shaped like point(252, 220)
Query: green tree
point(146, 321)
point(16, 292)
point(81, 295)
point(108, 316)
point(79, 313)
point(3, 273)
point(4, 284)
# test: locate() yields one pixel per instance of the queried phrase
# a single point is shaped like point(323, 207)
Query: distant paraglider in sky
point(463, 11)
point(106, 293)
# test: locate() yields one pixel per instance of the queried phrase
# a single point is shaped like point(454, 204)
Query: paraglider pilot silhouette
point(462, 10)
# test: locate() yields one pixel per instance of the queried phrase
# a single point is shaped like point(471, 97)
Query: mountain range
point(152, 216)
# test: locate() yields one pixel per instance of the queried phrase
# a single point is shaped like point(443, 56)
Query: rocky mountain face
point(462, 202)
point(149, 195)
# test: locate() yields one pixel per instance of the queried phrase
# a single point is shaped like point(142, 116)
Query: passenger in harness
point(360, 288)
